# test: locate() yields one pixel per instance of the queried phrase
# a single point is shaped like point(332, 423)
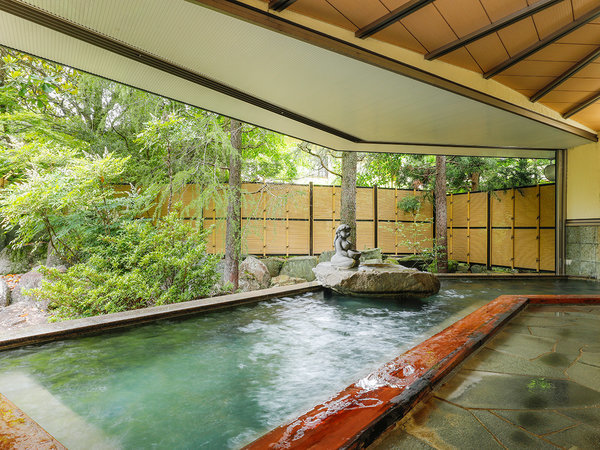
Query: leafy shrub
point(141, 265)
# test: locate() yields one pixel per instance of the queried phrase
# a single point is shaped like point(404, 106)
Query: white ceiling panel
point(383, 110)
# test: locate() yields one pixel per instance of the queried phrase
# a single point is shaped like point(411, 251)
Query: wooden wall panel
point(457, 246)
point(479, 208)
point(547, 250)
point(216, 239)
point(501, 206)
point(324, 233)
point(548, 193)
point(501, 248)
point(526, 249)
point(291, 237)
point(365, 237)
point(459, 210)
point(387, 204)
point(364, 204)
point(387, 238)
point(326, 202)
point(252, 236)
point(287, 201)
point(526, 207)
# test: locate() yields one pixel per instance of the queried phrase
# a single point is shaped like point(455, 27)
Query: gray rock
point(248, 283)
point(30, 280)
point(300, 267)
point(373, 261)
point(285, 280)
point(21, 315)
point(462, 268)
point(13, 262)
point(370, 253)
point(326, 256)
point(477, 268)
point(252, 267)
point(386, 281)
point(4, 293)
point(273, 265)
point(52, 258)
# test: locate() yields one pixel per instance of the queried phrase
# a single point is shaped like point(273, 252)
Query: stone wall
point(583, 251)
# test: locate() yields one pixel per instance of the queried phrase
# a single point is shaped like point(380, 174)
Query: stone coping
point(18, 430)
point(358, 415)
point(91, 325)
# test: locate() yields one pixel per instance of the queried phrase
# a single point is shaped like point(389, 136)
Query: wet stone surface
point(534, 385)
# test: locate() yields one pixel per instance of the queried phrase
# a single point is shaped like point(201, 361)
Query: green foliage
point(140, 265)
point(65, 198)
point(410, 204)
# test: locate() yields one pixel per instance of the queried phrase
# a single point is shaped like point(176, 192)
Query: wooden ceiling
point(548, 50)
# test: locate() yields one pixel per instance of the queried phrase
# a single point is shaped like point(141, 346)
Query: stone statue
point(345, 257)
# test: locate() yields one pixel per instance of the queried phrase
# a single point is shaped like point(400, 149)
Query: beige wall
point(583, 182)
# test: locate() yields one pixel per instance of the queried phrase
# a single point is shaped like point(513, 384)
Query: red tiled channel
point(363, 411)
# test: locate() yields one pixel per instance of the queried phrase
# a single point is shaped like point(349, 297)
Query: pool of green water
point(222, 379)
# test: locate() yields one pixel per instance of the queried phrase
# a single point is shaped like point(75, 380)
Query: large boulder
point(285, 280)
point(326, 256)
point(12, 262)
point(273, 265)
point(4, 293)
point(386, 281)
point(30, 280)
point(300, 267)
point(253, 268)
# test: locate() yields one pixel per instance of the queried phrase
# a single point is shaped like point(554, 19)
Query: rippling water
point(222, 379)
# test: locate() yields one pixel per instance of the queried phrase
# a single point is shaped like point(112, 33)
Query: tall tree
point(233, 234)
point(348, 200)
point(441, 215)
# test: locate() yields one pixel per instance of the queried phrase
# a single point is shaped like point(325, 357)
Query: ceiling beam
point(566, 75)
point(550, 39)
point(581, 106)
point(491, 28)
point(280, 5)
point(392, 17)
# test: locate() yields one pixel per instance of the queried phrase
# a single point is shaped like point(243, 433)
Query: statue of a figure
point(345, 257)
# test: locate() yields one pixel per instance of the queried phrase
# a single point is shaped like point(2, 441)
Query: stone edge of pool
point(91, 325)
point(357, 416)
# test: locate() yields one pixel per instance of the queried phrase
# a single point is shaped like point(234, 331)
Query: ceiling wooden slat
point(593, 14)
point(394, 16)
point(581, 106)
point(491, 28)
point(280, 5)
point(566, 75)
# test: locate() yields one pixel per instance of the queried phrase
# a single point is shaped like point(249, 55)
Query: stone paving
point(534, 385)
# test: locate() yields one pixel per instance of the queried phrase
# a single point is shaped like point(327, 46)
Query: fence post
point(469, 227)
point(287, 222)
point(396, 225)
point(538, 233)
point(332, 213)
point(489, 231)
point(512, 230)
point(264, 226)
point(451, 226)
point(311, 237)
point(375, 218)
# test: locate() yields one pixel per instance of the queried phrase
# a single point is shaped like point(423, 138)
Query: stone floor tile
point(590, 358)
point(489, 360)
point(527, 347)
point(588, 416)
point(442, 426)
point(585, 375)
point(399, 439)
point(538, 422)
point(510, 435)
point(536, 320)
point(475, 389)
point(581, 436)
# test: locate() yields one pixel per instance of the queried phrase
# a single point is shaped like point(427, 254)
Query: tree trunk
point(475, 181)
point(348, 210)
point(441, 215)
point(233, 237)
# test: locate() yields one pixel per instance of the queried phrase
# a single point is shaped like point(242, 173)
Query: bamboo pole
point(214, 232)
point(396, 223)
point(332, 213)
point(469, 227)
point(264, 225)
point(512, 230)
point(538, 235)
point(287, 222)
point(451, 224)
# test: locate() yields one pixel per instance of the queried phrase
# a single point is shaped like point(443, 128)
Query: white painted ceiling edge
point(359, 99)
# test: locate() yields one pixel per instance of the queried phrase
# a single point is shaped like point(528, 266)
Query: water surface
point(222, 379)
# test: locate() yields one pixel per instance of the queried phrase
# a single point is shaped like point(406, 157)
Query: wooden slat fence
point(511, 228)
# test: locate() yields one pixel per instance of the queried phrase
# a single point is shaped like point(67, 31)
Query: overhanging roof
point(280, 76)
